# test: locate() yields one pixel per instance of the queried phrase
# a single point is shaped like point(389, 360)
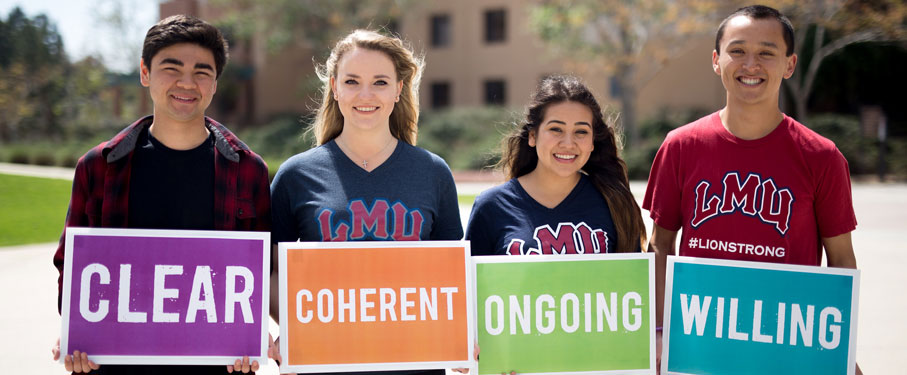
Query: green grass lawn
point(466, 199)
point(32, 210)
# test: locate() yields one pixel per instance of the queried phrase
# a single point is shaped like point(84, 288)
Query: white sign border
point(669, 286)
point(575, 258)
point(285, 367)
point(72, 232)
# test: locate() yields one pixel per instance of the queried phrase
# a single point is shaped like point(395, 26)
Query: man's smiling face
point(182, 81)
point(752, 61)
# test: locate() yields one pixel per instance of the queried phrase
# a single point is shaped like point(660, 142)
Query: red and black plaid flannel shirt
point(100, 188)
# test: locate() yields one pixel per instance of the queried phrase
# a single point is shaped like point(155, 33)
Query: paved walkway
point(29, 323)
point(37, 171)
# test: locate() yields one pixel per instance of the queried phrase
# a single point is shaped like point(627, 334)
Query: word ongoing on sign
point(547, 313)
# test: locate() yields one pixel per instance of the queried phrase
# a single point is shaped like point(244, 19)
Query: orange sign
point(356, 306)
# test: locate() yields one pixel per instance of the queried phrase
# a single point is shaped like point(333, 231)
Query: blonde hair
point(408, 67)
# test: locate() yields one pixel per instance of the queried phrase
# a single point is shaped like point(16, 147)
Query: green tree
point(826, 27)
point(631, 40)
point(311, 24)
point(118, 20)
point(33, 74)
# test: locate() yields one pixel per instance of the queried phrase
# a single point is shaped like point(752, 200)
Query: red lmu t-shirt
point(770, 200)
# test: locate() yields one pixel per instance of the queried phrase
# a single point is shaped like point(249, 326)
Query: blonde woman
point(366, 180)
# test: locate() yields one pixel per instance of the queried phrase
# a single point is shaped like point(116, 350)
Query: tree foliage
point(43, 96)
point(32, 75)
point(825, 27)
point(631, 40)
point(310, 24)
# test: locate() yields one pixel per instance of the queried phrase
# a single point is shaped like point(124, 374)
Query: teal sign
point(732, 317)
point(566, 314)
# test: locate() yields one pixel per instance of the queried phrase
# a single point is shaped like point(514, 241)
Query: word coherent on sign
point(367, 306)
point(734, 317)
point(568, 314)
point(135, 296)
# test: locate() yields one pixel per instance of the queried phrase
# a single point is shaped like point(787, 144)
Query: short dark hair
point(185, 29)
point(760, 12)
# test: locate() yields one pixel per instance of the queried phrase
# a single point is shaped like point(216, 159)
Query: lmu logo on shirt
point(756, 196)
point(569, 238)
point(407, 224)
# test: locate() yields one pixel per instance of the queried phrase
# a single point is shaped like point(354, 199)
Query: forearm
point(661, 260)
point(662, 244)
point(839, 251)
point(274, 306)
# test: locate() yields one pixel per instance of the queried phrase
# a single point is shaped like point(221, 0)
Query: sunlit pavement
point(29, 323)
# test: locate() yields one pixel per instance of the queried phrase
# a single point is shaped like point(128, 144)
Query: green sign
point(566, 313)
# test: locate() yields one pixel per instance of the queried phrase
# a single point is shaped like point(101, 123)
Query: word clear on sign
point(785, 319)
point(199, 299)
point(359, 306)
point(566, 313)
point(135, 296)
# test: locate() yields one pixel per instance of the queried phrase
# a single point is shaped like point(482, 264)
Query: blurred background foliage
point(53, 109)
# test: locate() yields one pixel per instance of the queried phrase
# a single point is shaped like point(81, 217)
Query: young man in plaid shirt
point(176, 169)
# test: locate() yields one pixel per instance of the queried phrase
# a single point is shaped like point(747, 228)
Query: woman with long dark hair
point(568, 191)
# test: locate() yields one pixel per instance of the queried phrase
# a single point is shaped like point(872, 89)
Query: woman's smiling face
point(366, 88)
point(564, 139)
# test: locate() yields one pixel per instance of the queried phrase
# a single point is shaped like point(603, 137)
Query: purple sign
point(166, 296)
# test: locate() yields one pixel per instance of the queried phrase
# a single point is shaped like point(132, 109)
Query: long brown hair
point(605, 168)
point(408, 66)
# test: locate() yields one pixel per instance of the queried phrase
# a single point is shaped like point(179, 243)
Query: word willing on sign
point(561, 313)
point(724, 317)
point(362, 306)
point(134, 296)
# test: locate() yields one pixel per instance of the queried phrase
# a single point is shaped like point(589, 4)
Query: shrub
point(652, 133)
point(19, 157)
point(862, 153)
point(68, 161)
point(467, 138)
point(280, 138)
point(43, 158)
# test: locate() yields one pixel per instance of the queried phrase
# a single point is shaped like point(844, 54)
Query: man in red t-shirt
point(748, 182)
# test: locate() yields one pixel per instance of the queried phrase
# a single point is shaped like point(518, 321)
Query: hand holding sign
point(77, 362)
point(243, 365)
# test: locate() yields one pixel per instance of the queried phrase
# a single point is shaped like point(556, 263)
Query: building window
point(614, 87)
point(495, 92)
point(496, 26)
point(440, 95)
point(440, 30)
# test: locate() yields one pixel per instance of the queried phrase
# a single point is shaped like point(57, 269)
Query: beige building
point(478, 52)
point(482, 52)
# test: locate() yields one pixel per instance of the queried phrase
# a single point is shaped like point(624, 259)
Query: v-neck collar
point(348, 163)
point(583, 180)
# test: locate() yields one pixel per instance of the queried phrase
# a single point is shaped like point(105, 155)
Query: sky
point(80, 23)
